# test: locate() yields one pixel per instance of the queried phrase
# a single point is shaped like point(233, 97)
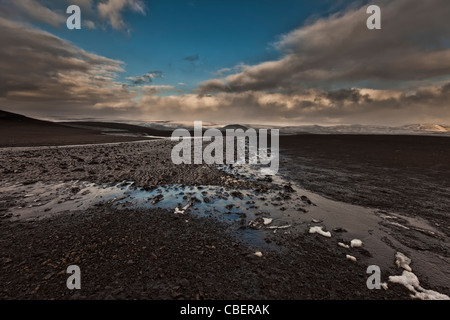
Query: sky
point(247, 61)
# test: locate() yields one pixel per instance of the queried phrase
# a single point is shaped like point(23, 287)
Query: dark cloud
point(364, 106)
point(352, 95)
point(146, 78)
point(38, 66)
point(53, 12)
point(192, 58)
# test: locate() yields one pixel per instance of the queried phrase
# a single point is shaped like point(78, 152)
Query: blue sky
point(222, 34)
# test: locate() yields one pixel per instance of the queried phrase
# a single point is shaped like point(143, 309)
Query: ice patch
point(356, 243)
point(402, 261)
point(280, 227)
point(411, 282)
point(349, 257)
point(399, 225)
point(343, 245)
point(319, 230)
point(182, 211)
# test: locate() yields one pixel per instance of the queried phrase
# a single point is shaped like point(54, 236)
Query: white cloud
point(112, 10)
point(339, 51)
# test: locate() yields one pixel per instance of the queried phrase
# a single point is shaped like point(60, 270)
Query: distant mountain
point(14, 119)
point(427, 127)
point(418, 129)
point(234, 127)
point(20, 131)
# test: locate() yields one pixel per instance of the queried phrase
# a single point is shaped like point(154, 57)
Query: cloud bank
point(52, 12)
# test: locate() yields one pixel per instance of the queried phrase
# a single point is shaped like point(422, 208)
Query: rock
point(256, 224)
point(288, 188)
point(48, 276)
point(237, 194)
point(184, 283)
point(305, 199)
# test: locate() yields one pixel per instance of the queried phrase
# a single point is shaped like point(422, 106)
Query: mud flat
point(140, 227)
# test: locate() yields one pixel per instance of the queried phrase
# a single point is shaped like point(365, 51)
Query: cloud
point(339, 51)
point(112, 10)
point(364, 106)
point(223, 71)
point(40, 67)
point(32, 10)
point(192, 58)
point(53, 12)
point(146, 78)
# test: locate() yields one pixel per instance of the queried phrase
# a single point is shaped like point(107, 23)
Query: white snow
point(411, 282)
point(402, 261)
point(267, 221)
point(355, 243)
point(343, 245)
point(319, 230)
point(279, 227)
point(349, 257)
point(258, 254)
point(399, 225)
point(182, 211)
point(384, 285)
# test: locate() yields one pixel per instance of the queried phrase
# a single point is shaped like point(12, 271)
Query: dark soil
point(156, 254)
point(405, 174)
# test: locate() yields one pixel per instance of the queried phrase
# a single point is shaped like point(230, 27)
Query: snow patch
point(258, 254)
point(319, 230)
point(349, 257)
point(343, 245)
point(402, 261)
point(356, 243)
point(182, 211)
point(411, 282)
point(399, 225)
point(279, 227)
